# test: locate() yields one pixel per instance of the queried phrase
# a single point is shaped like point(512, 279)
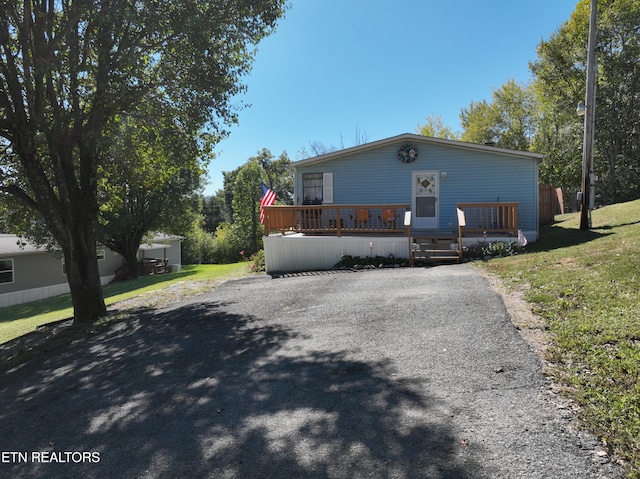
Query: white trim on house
point(426, 220)
point(327, 188)
point(149, 246)
point(12, 270)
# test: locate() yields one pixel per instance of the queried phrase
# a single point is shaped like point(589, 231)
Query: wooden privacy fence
point(335, 219)
point(551, 203)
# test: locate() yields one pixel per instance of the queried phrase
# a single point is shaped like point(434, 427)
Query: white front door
point(424, 206)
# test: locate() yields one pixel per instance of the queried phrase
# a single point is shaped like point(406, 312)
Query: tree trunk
point(126, 245)
point(253, 244)
point(83, 276)
point(133, 266)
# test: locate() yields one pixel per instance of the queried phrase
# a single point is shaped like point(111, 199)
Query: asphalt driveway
point(398, 373)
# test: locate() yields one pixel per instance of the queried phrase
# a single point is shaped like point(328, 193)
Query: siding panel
point(376, 176)
point(313, 253)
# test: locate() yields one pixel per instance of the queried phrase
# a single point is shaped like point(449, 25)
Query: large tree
point(214, 211)
point(246, 200)
point(149, 182)
point(277, 174)
point(68, 67)
point(508, 121)
point(435, 128)
point(274, 172)
point(560, 78)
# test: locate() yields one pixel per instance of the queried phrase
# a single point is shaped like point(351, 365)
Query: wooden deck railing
point(481, 218)
point(336, 219)
point(490, 218)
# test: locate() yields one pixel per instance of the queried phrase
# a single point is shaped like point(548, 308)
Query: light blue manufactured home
point(422, 181)
point(384, 172)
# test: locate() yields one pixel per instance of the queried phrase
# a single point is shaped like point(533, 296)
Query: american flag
point(268, 198)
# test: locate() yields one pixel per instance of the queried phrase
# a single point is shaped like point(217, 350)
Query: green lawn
point(585, 285)
point(24, 318)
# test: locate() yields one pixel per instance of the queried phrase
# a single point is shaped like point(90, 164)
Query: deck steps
point(436, 249)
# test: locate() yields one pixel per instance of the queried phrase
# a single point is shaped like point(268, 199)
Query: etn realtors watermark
point(56, 457)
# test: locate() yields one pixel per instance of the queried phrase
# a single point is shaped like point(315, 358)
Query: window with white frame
point(312, 188)
point(317, 188)
point(6, 270)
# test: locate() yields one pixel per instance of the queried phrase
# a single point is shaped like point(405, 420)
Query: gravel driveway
point(397, 373)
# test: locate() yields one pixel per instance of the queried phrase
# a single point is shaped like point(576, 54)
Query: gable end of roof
point(416, 138)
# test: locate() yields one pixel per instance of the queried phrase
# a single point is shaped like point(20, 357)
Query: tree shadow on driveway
point(198, 392)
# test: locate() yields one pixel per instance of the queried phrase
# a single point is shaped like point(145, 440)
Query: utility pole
point(589, 124)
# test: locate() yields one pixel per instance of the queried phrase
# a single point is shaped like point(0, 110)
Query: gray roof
point(415, 138)
point(12, 245)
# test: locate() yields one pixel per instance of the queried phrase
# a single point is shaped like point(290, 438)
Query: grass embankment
point(585, 285)
point(23, 318)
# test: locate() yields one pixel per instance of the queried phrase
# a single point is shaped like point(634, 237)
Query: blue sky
point(379, 67)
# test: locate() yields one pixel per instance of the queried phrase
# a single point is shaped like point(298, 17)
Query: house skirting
point(297, 252)
point(34, 294)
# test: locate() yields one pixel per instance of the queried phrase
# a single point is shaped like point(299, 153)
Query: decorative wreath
point(407, 153)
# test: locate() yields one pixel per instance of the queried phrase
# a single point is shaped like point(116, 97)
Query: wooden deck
point(475, 221)
point(336, 219)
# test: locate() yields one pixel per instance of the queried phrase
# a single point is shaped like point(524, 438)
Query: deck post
point(407, 223)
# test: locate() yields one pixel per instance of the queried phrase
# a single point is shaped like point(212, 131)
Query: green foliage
point(240, 199)
point(491, 249)
point(215, 211)
point(584, 285)
point(560, 84)
point(25, 318)
point(275, 173)
point(61, 93)
point(229, 244)
point(541, 116)
point(435, 128)
point(149, 180)
point(246, 204)
point(257, 264)
point(348, 261)
point(198, 246)
point(508, 121)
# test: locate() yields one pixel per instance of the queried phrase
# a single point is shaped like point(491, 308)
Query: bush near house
point(202, 247)
point(348, 261)
point(491, 249)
